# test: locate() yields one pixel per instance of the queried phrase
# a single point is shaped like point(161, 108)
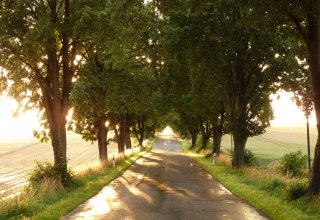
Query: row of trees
point(225, 58)
point(210, 65)
point(93, 57)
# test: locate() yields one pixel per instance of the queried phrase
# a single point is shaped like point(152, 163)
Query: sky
point(287, 113)
point(12, 128)
point(20, 127)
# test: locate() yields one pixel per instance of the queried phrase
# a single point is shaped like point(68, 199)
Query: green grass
point(261, 190)
point(65, 200)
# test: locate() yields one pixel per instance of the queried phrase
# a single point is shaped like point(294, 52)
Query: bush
point(292, 164)
point(249, 158)
point(295, 190)
point(275, 184)
point(42, 172)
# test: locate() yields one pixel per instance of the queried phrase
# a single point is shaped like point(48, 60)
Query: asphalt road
point(18, 157)
point(164, 184)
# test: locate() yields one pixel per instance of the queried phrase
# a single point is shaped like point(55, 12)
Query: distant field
point(276, 142)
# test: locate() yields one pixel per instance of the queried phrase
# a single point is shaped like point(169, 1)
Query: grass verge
point(261, 190)
point(64, 200)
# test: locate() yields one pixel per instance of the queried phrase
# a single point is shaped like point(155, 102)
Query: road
point(164, 184)
point(18, 157)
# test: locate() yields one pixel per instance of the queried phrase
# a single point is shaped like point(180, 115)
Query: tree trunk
point(141, 131)
point(313, 44)
point(122, 133)
point(194, 136)
point(206, 133)
point(128, 138)
point(239, 146)
point(116, 133)
point(217, 130)
point(59, 145)
point(238, 119)
point(102, 138)
point(205, 140)
point(217, 135)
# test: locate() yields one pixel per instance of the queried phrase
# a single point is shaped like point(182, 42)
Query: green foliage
point(43, 171)
point(296, 189)
point(249, 158)
point(292, 164)
point(274, 185)
point(226, 69)
point(116, 72)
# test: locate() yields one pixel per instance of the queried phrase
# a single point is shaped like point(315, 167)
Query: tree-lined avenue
point(165, 184)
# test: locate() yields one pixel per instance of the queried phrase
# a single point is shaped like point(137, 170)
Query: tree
point(38, 49)
point(311, 37)
point(210, 100)
point(305, 16)
point(225, 41)
point(109, 83)
point(243, 59)
point(89, 109)
point(302, 96)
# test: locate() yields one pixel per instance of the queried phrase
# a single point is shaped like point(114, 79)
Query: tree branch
point(59, 7)
point(297, 22)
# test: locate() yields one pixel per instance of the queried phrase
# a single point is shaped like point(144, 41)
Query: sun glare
point(167, 131)
point(287, 113)
point(19, 127)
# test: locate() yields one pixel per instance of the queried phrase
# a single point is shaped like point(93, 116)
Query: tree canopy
point(207, 68)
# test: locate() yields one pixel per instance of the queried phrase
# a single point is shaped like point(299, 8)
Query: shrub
point(249, 158)
point(274, 184)
point(295, 190)
point(292, 164)
point(42, 172)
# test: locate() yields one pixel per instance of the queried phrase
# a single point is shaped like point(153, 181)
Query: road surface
point(18, 157)
point(164, 184)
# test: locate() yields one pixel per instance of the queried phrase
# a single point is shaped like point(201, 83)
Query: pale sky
point(285, 111)
point(15, 127)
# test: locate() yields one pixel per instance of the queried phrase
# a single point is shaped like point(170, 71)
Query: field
point(277, 141)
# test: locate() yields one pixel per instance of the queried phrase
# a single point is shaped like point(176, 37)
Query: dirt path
point(165, 184)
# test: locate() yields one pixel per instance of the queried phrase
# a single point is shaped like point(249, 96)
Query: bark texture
point(102, 138)
point(313, 35)
point(217, 135)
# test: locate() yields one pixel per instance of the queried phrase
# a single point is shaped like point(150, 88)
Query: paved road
point(17, 157)
point(164, 184)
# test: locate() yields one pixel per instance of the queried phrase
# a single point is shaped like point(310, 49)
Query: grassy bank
point(261, 187)
point(54, 201)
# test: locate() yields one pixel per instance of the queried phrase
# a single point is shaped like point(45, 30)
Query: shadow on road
point(165, 184)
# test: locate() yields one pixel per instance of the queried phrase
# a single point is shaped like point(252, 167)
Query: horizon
point(286, 115)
